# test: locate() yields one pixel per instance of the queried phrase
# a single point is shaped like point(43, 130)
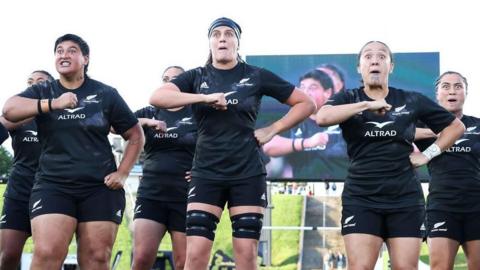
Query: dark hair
point(223, 21)
point(375, 41)
point(168, 79)
point(319, 75)
point(437, 81)
point(210, 59)
point(49, 76)
point(336, 70)
point(177, 67)
point(79, 41)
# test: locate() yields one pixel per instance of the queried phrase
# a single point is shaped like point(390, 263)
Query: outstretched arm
point(170, 96)
point(301, 107)
point(13, 125)
point(20, 108)
point(329, 115)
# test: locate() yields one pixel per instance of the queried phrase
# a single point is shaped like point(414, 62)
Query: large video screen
point(320, 153)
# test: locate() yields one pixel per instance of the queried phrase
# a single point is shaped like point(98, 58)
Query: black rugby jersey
point(76, 152)
point(379, 146)
point(455, 174)
point(226, 147)
point(26, 152)
point(3, 133)
point(167, 155)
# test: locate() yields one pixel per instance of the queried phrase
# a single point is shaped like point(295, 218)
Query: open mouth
point(375, 72)
point(65, 63)
point(452, 100)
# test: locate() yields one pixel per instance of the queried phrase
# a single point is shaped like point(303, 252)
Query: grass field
point(284, 244)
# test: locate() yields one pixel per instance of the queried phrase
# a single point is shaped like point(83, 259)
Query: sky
point(131, 42)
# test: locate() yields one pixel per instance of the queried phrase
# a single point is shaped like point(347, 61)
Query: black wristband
point(49, 104)
point(293, 145)
point(303, 146)
point(39, 106)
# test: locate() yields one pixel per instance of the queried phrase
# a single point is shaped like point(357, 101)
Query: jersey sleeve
point(185, 81)
point(340, 98)
point(274, 86)
point(145, 112)
point(33, 92)
point(432, 114)
point(121, 117)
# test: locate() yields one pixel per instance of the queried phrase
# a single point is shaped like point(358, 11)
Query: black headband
point(225, 22)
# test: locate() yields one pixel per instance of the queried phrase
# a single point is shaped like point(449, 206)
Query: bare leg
point(95, 241)
point(147, 235)
point(11, 247)
point(472, 251)
point(245, 249)
point(362, 250)
point(198, 247)
point(51, 233)
point(179, 243)
point(404, 252)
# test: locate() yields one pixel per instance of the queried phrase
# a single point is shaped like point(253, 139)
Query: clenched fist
point(66, 100)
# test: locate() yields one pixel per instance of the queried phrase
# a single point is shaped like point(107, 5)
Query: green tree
point(5, 161)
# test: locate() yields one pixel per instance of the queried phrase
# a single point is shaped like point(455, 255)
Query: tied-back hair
point(177, 67)
point(210, 59)
point(437, 81)
point(50, 78)
point(375, 41)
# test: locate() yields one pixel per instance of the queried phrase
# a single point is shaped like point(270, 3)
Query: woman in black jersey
point(37, 76)
point(453, 202)
point(15, 220)
point(382, 198)
point(227, 167)
point(162, 195)
point(78, 188)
